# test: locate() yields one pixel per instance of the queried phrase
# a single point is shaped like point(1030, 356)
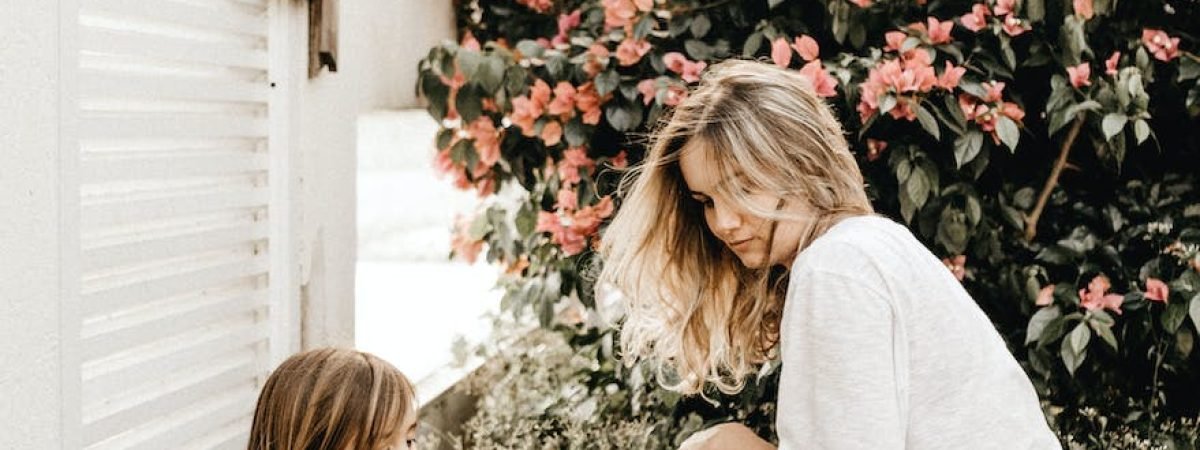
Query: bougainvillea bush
point(1046, 149)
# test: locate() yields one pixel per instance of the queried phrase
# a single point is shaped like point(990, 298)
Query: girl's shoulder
point(859, 243)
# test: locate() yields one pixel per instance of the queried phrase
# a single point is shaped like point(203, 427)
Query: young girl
point(335, 399)
point(747, 235)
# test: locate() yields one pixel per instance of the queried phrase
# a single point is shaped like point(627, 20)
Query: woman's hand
point(724, 437)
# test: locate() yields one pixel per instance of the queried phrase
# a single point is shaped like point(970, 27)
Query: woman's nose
point(725, 219)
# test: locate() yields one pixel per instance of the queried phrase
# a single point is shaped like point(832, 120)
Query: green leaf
point(1184, 342)
point(903, 170)
point(771, 4)
point(438, 95)
point(700, 25)
point(1141, 129)
point(1079, 338)
point(530, 48)
point(1189, 68)
point(1113, 124)
point(462, 151)
point(575, 132)
point(1038, 323)
point(480, 227)
point(1173, 316)
point(917, 187)
point(928, 122)
point(1035, 10)
point(967, 146)
point(1053, 331)
point(607, 82)
point(491, 73)
point(1008, 131)
point(887, 103)
point(1194, 311)
point(697, 49)
point(909, 43)
point(468, 62)
point(1070, 358)
point(623, 116)
point(752, 44)
point(526, 219)
point(468, 104)
point(644, 27)
point(1106, 334)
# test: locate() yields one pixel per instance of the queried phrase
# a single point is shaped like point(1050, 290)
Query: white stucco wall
point(30, 367)
point(380, 43)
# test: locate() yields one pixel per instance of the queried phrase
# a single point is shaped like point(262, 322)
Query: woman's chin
point(751, 260)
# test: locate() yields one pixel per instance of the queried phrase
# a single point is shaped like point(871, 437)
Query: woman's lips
point(740, 244)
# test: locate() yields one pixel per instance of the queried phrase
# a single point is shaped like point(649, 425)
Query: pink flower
point(539, 6)
point(596, 60)
point(1096, 296)
point(862, 3)
point(566, 23)
point(1157, 291)
point(552, 133)
point(1045, 296)
point(875, 148)
point(674, 95)
point(688, 70)
point(564, 100)
point(995, 91)
point(588, 101)
point(807, 47)
point(1004, 7)
point(957, 266)
point(649, 89)
point(567, 199)
point(631, 51)
point(620, 161)
point(461, 243)
point(895, 40)
point(1014, 26)
point(1163, 46)
point(540, 93)
point(1110, 64)
point(939, 32)
point(469, 42)
point(951, 76)
point(1083, 9)
point(1012, 111)
point(618, 13)
point(487, 140)
point(976, 19)
point(823, 84)
point(525, 113)
point(573, 160)
point(781, 54)
point(1079, 75)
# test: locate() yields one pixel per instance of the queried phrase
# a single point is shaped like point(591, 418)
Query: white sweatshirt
point(883, 349)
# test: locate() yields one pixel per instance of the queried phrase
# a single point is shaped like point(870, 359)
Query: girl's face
point(745, 234)
point(406, 439)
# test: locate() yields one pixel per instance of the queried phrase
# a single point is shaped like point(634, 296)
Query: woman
point(746, 234)
point(335, 399)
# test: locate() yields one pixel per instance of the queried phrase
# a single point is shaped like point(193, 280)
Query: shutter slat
point(98, 215)
point(157, 321)
point(136, 248)
point(176, 13)
point(156, 165)
point(166, 394)
point(113, 374)
point(99, 83)
point(174, 428)
point(173, 125)
point(109, 42)
point(149, 287)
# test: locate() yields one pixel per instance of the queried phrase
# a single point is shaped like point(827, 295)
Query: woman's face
point(745, 234)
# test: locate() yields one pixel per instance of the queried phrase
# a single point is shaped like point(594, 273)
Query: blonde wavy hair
point(690, 305)
point(331, 399)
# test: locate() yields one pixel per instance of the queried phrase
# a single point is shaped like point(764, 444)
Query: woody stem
point(1032, 221)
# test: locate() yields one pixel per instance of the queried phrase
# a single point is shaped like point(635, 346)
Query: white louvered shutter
point(174, 168)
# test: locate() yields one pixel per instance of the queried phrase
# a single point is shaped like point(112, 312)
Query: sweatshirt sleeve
point(840, 385)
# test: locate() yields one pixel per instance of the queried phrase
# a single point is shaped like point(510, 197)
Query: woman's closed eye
point(703, 200)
